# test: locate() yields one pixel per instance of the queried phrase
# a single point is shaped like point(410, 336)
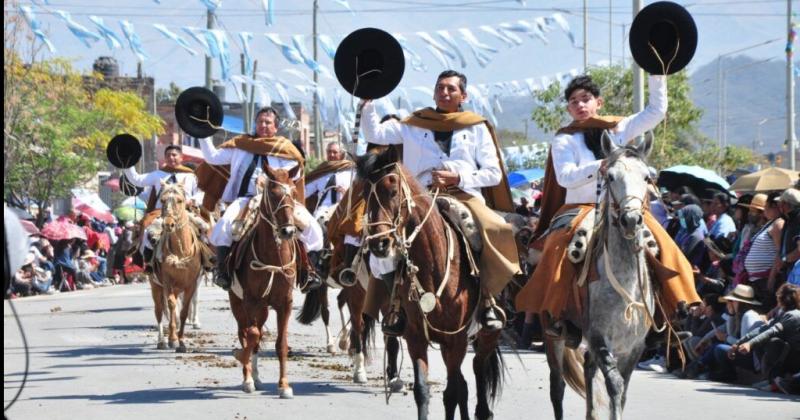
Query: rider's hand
point(444, 179)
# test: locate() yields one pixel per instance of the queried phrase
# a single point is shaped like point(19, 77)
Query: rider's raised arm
point(570, 172)
point(142, 180)
point(637, 124)
point(213, 155)
point(488, 173)
point(388, 132)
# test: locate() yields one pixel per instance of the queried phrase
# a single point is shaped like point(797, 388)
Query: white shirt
point(240, 160)
point(343, 179)
point(575, 165)
point(153, 179)
point(472, 152)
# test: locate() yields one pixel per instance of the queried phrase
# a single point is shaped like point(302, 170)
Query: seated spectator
point(776, 345)
point(761, 256)
point(43, 254)
point(715, 274)
point(724, 224)
point(700, 323)
point(30, 280)
point(88, 277)
point(674, 224)
point(524, 207)
point(691, 234)
point(789, 255)
point(64, 263)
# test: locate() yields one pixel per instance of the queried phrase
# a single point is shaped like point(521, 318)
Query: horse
point(177, 265)
point(265, 278)
point(433, 283)
point(619, 311)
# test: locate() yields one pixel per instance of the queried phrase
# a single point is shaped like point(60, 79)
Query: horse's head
point(173, 205)
point(385, 193)
point(627, 178)
point(277, 203)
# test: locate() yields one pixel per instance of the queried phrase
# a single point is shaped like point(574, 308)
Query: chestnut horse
point(177, 265)
point(432, 274)
point(265, 277)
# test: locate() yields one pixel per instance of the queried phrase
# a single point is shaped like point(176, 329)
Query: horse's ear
point(294, 171)
point(607, 143)
point(269, 171)
point(646, 145)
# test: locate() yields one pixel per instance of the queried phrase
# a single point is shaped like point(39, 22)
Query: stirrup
point(491, 322)
point(396, 327)
point(351, 279)
point(313, 282)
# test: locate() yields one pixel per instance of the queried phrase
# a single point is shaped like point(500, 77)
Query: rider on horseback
point(246, 156)
point(456, 152)
point(172, 172)
point(575, 163)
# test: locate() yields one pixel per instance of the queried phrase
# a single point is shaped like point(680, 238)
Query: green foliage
point(678, 140)
point(56, 130)
point(169, 95)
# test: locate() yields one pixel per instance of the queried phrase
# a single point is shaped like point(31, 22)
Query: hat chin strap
point(665, 68)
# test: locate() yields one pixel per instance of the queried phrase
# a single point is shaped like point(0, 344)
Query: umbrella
point(103, 216)
point(524, 176)
point(113, 183)
point(770, 179)
point(700, 180)
point(128, 213)
point(59, 230)
point(134, 202)
point(29, 227)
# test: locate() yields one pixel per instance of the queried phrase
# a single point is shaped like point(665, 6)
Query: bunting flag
point(284, 95)
point(451, 43)
point(411, 56)
point(36, 26)
point(80, 31)
point(300, 75)
point(562, 23)
point(245, 38)
point(239, 83)
point(288, 51)
point(212, 5)
point(326, 42)
point(175, 37)
point(495, 33)
point(218, 45)
point(111, 38)
point(199, 36)
point(299, 42)
point(345, 4)
point(478, 48)
point(133, 40)
point(269, 11)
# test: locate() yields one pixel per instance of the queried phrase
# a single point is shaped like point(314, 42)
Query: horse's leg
point(282, 346)
point(615, 384)
point(392, 351)
point(194, 314)
point(158, 302)
point(260, 321)
point(555, 352)
point(589, 371)
point(355, 303)
point(172, 304)
point(325, 312)
point(488, 368)
point(456, 392)
point(188, 301)
point(417, 349)
point(626, 366)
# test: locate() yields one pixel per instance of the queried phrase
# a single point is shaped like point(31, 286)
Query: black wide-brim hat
point(671, 30)
point(124, 151)
point(127, 188)
point(369, 63)
point(195, 108)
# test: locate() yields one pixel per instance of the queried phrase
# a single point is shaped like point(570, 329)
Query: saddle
point(458, 216)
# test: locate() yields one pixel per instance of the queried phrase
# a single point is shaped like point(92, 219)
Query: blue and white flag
point(326, 42)
point(175, 37)
point(133, 40)
point(478, 48)
point(345, 4)
point(299, 42)
point(289, 52)
point(111, 38)
point(212, 5)
point(284, 95)
point(300, 75)
point(269, 11)
point(80, 31)
point(218, 44)
point(411, 56)
point(245, 38)
point(36, 26)
point(495, 33)
point(452, 46)
point(562, 23)
point(198, 35)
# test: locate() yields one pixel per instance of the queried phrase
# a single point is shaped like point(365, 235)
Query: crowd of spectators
point(745, 253)
point(75, 264)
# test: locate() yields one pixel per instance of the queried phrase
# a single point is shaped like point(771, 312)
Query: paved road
point(93, 356)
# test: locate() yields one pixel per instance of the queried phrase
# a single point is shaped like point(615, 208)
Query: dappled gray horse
point(621, 302)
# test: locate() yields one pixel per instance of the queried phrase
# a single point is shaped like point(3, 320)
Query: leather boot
point(394, 323)
point(347, 277)
point(309, 280)
point(147, 259)
point(221, 276)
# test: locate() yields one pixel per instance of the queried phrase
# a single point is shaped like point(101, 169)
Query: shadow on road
point(751, 393)
point(121, 327)
point(114, 350)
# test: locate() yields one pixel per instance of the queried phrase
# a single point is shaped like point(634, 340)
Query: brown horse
point(177, 264)
point(265, 277)
point(433, 284)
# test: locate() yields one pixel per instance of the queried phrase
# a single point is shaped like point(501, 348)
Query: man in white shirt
point(326, 184)
point(456, 151)
point(173, 172)
point(245, 170)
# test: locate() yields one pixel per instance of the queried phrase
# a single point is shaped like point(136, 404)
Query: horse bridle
point(169, 205)
point(617, 207)
point(269, 217)
point(397, 221)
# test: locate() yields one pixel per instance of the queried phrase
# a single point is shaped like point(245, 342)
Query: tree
point(678, 141)
point(55, 129)
point(169, 95)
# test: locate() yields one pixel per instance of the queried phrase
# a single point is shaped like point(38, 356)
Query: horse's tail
point(572, 370)
point(368, 335)
point(312, 306)
point(495, 368)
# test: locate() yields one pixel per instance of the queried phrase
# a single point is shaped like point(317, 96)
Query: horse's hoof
point(161, 346)
point(360, 378)
point(248, 386)
point(196, 326)
point(259, 385)
point(173, 344)
point(331, 349)
point(286, 393)
point(396, 385)
point(181, 348)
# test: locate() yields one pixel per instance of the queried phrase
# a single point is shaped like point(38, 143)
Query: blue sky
point(724, 25)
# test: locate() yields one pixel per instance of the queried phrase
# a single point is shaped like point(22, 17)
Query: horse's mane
point(625, 151)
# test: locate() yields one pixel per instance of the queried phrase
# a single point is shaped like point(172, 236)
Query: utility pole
point(317, 118)
point(209, 25)
point(624, 27)
point(610, 36)
point(790, 134)
point(585, 36)
point(638, 74)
